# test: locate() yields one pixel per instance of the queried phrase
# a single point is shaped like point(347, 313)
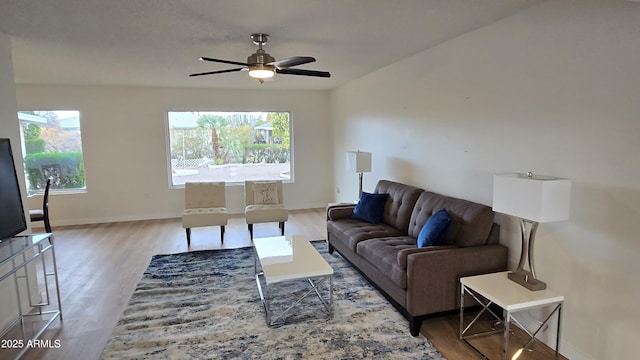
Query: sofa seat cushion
point(389, 255)
point(261, 213)
point(351, 231)
point(204, 217)
point(382, 253)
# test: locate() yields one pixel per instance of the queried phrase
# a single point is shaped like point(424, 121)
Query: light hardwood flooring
point(99, 266)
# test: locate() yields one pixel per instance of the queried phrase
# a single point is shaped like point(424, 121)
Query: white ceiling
point(158, 42)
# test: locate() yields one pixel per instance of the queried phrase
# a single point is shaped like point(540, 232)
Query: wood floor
point(100, 265)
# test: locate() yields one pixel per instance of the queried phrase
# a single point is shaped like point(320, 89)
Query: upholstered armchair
point(264, 203)
point(204, 205)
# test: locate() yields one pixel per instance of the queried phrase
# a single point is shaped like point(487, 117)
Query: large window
point(52, 148)
point(229, 146)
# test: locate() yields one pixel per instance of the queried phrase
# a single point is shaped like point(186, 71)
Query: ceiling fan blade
point(218, 72)
point(292, 61)
point(303, 72)
point(223, 61)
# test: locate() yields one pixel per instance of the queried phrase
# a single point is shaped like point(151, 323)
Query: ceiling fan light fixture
point(262, 66)
point(261, 72)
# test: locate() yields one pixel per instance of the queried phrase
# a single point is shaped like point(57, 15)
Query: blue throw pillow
point(370, 208)
point(435, 229)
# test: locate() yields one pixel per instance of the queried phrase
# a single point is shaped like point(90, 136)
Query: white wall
point(9, 129)
point(123, 136)
point(554, 90)
point(8, 117)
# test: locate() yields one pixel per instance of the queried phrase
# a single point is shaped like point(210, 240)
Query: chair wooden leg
point(188, 236)
point(282, 228)
point(251, 231)
point(222, 234)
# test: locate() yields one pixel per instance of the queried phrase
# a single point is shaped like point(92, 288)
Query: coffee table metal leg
point(507, 329)
point(314, 286)
point(264, 297)
point(331, 293)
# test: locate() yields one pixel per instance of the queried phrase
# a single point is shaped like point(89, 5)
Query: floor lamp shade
point(359, 162)
point(534, 199)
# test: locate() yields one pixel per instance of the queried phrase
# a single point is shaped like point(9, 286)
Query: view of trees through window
point(229, 146)
point(52, 148)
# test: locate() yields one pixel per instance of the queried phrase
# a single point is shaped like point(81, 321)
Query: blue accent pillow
point(370, 208)
point(434, 231)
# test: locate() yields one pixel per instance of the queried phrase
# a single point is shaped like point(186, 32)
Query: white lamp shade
point(535, 198)
point(358, 161)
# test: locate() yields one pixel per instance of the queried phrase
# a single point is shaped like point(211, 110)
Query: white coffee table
point(290, 258)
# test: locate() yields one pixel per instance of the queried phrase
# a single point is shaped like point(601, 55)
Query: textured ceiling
point(158, 42)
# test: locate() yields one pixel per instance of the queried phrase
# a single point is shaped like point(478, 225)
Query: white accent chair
point(264, 203)
point(204, 205)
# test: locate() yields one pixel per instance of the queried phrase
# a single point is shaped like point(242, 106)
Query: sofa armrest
point(433, 277)
point(340, 211)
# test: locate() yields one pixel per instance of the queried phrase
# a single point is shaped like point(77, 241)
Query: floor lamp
point(360, 162)
point(534, 199)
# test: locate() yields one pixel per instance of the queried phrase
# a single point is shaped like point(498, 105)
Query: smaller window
point(52, 148)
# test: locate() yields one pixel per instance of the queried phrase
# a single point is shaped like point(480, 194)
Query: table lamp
point(360, 162)
point(534, 199)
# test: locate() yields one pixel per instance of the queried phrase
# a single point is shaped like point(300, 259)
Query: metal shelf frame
point(15, 255)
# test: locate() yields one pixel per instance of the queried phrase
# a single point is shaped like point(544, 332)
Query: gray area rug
point(205, 305)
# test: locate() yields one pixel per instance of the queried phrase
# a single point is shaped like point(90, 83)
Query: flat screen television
point(12, 219)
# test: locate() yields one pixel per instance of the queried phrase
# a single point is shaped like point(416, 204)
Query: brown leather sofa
point(418, 281)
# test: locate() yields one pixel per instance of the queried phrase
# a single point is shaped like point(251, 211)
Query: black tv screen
point(12, 219)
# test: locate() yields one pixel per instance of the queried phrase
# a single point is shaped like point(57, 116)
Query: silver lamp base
point(527, 280)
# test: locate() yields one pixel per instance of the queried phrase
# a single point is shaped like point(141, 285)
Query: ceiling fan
point(262, 66)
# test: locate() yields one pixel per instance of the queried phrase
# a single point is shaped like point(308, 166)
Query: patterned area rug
point(205, 305)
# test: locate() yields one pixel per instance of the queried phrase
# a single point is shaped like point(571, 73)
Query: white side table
point(497, 289)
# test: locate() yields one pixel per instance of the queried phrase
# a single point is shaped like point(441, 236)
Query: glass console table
point(37, 298)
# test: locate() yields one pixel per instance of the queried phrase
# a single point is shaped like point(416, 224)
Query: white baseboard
point(142, 217)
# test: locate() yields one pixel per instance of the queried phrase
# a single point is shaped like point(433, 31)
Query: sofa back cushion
point(402, 200)
point(470, 222)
